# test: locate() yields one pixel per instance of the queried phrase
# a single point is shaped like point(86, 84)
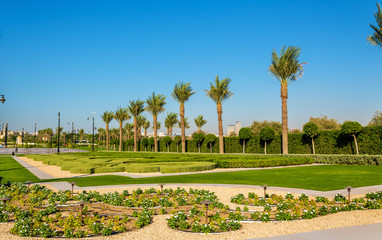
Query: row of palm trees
point(285, 67)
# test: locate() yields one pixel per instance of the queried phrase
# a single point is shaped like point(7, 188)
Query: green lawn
point(14, 172)
point(324, 177)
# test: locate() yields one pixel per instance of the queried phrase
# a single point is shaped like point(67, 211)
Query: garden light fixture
point(29, 183)
point(206, 203)
point(72, 183)
point(349, 190)
point(265, 190)
point(2, 99)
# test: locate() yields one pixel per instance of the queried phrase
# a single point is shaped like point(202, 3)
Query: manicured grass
point(323, 178)
point(14, 172)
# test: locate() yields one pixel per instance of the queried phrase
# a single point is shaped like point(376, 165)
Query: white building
point(234, 128)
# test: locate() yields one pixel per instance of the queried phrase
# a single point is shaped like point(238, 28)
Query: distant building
point(234, 128)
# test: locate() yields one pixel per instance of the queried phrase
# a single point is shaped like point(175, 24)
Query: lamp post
point(206, 203)
point(265, 190)
point(349, 190)
point(58, 133)
point(2, 99)
point(92, 117)
point(22, 138)
point(35, 133)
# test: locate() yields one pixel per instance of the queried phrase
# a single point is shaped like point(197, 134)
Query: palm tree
point(140, 121)
point(136, 108)
point(182, 92)
point(128, 127)
point(101, 131)
point(155, 105)
point(376, 38)
point(219, 93)
point(286, 68)
point(186, 123)
point(170, 122)
point(106, 118)
point(81, 132)
point(200, 122)
point(121, 115)
point(146, 126)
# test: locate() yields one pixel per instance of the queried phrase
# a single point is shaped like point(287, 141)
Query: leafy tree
point(177, 140)
point(181, 93)
point(167, 140)
point(325, 124)
point(198, 137)
point(200, 122)
point(121, 115)
point(376, 38)
point(267, 134)
point(130, 142)
point(376, 120)
point(136, 107)
point(106, 118)
point(145, 142)
point(170, 122)
point(220, 93)
point(81, 132)
point(311, 129)
point(232, 134)
point(257, 126)
point(245, 134)
point(286, 68)
point(351, 128)
point(101, 132)
point(211, 139)
point(146, 126)
point(127, 128)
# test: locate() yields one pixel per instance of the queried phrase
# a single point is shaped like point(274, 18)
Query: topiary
point(167, 140)
point(211, 139)
point(177, 140)
point(351, 128)
point(311, 129)
point(198, 137)
point(245, 134)
point(267, 134)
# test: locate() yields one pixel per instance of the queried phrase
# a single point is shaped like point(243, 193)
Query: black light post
point(58, 133)
point(2, 99)
point(265, 190)
point(35, 133)
point(22, 138)
point(92, 117)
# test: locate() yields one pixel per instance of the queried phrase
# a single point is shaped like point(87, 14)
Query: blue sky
point(81, 57)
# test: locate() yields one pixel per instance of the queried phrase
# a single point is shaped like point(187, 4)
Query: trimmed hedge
point(349, 159)
point(271, 162)
point(82, 169)
point(109, 169)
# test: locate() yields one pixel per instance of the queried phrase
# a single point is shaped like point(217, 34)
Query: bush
point(82, 169)
point(265, 162)
point(109, 169)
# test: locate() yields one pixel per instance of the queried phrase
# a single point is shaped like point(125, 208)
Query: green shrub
point(187, 167)
point(82, 169)
point(349, 159)
point(108, 169)
point(141, 168)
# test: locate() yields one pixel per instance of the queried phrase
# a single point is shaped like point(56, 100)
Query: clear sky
point(81, 57)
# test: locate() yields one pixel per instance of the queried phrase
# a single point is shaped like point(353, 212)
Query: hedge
point(271, 162)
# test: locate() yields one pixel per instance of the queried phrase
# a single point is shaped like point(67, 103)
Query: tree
point(198, 137)
point(351, 128)
point(181, 93)
point(101, 132)
point(200, 122)
point(220, 93)
point(106, 118)
point(325, 124)
point(376, 38)
point(245, 134)
point(286, 68)
point(140, 121)
point(128, 127)
point(167, 140)
point(121, 115)
point(136, 107)
point(81, 132)
point(130, 142)
point(145, 142)
point(177, 140)
point(170, 122)
point(186, 123)
point(267, 134)
point(376, 119)
point(311, 129)
point(146, 126)
point(155, 105)
point(210, 140)
point(257, 126)
point(151, 143)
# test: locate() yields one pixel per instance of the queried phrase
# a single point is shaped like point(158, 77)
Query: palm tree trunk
point(265, 147)
point(284, 116)
point(155, 133)
point(145, 132)
point(120, 136)
point(168, 131)
point(314, 150)
point(107, 137)
point(171, 132)
point(183, 130)
point(135, 134)
point(220, 122)
point(356, 145)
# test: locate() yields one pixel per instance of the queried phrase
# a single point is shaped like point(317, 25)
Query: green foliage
point(245, 133)
point(198, 137)
point(376, 119)
point(267, 134)
point(376, 37)
point(145, 142)
point(167, 139)
point(177, 139)
point(351, 128)
point(324, 123)
point(257, 126)
point(311, 129)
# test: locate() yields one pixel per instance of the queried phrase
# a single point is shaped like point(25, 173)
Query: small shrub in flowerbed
point(279, 208)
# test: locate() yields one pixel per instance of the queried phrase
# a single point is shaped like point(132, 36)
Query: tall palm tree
point(140, 121)
point(136, 107)
point(146, 126)
point(376, 38)
point(181, 93)
point(170, 122)
point(200, 122)
point(219, 93)
point(186, 123)
point(286, 68)
point(155, 105)
point(121, 115)
point(106, 118)
point(101, 132)
point(81, 132)
point(128, 127)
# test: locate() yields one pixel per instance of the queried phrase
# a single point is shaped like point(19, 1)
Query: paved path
point(366, 232)
point(36, 171)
